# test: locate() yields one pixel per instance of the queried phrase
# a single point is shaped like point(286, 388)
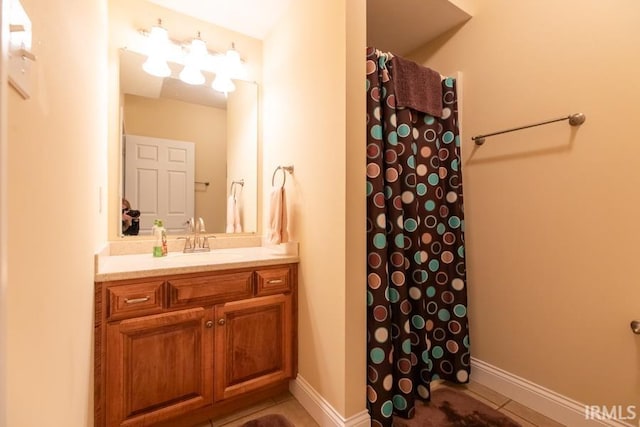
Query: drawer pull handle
point(274, 281)
point(221, 322)
point(209, 324)
point(136, 300)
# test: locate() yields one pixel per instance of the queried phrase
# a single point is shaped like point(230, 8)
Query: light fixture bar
point(194, 56)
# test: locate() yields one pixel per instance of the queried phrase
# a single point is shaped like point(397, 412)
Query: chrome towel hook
point(284, 170)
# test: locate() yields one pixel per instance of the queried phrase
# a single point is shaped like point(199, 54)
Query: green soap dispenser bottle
point(157, 235)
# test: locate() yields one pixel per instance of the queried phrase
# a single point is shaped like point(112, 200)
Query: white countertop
point(119, 267)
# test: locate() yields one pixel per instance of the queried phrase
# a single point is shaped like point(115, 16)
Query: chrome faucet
point(198, 228)
point(195, 241)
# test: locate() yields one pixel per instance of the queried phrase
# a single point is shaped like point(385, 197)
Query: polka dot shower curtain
point(416, 280)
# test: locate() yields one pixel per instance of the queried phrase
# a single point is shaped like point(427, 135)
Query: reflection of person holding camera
point(130, 219)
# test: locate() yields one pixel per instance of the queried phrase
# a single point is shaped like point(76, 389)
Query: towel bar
point(232, 188)
point(233, 183)
point(284, 170)
point(574, 120)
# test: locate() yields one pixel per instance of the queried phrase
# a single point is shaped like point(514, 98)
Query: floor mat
point(270, 420)
point(452, 408)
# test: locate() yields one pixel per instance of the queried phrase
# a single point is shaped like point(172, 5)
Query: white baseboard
point(547, 402)
point(321, 411)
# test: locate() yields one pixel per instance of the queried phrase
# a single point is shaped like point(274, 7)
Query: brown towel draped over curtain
point(417, 87)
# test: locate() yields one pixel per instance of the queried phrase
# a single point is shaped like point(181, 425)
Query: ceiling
point(402, 26)
point(254, 18)
point(398, 26)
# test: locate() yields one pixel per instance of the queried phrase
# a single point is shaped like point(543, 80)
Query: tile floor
point(524, 416)
point(289, 407)
point(284, 404)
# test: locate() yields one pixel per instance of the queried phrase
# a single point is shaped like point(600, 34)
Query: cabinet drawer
point(272, 281)
point(210, 288)
point(135, 299)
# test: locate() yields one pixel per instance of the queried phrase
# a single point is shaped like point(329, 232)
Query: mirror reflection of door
point(159, 181)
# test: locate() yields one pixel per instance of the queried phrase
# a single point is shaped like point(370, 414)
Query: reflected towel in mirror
point(233, 216)
point(278, 232)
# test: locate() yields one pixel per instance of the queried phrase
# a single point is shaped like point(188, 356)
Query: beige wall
point(56, 150)
point(126, 18)
point(551, 211)
point(306, 77)
point(356, 210)
point(206, 127)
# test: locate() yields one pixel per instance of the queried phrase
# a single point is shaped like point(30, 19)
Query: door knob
point(209, 324)
point(221, 321)
point(635, 326)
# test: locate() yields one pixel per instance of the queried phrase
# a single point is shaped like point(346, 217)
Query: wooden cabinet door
point(158, 367)
point(253, 340)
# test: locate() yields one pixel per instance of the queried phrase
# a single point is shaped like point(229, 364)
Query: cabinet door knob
point(635, 326)
point(209, 324)
point(221, 322)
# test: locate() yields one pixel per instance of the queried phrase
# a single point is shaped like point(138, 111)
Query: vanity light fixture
point(194, 62)
point(156, 63)
point(195, 57)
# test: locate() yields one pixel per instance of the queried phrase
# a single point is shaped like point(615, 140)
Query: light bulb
point(156, 63)
point(194, 62)
point(233, 63)
point(233, 56)
point(156, 66)
point(222, 83)
point(198, 48)
point(192, 75)
point(158, 35)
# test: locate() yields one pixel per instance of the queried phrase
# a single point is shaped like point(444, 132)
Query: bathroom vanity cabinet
point(180, 349)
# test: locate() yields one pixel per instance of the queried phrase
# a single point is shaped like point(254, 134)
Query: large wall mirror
point(185, 150)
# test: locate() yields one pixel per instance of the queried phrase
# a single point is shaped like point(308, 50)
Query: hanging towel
point(417, 87)
point(278, 217)
point(232, 208)
point(237, 225)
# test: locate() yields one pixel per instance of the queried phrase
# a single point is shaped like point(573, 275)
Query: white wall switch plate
point(20, 57)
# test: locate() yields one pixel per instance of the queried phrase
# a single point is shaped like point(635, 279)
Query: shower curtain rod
point(575, 119)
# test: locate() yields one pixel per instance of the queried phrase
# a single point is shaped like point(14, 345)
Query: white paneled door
point(159, 181)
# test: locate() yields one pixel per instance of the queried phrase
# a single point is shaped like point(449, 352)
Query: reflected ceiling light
point(194, 61)
point(230, 67)
point(156, 63)
point(223, 83)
